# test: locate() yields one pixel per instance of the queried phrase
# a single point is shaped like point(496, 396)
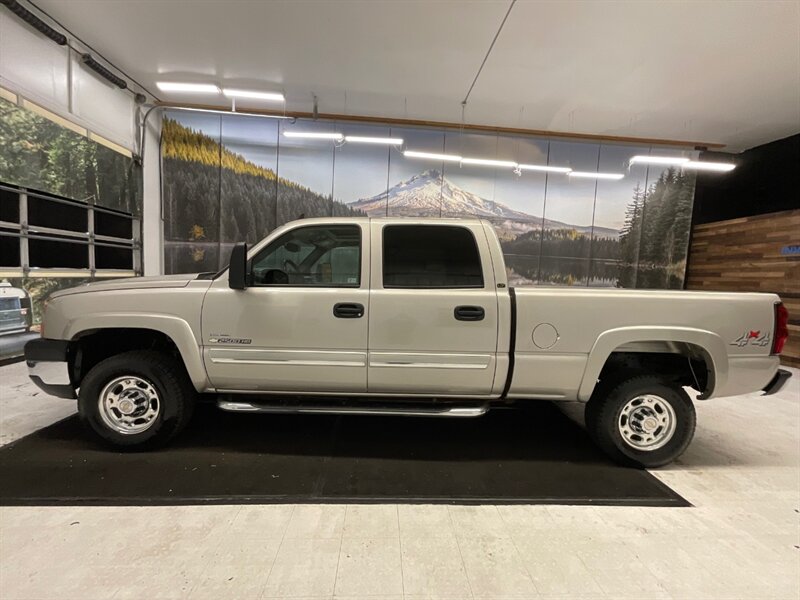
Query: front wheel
point(643, 421)
point(136, 400)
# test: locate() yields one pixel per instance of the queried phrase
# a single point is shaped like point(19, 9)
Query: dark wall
point(766, 180)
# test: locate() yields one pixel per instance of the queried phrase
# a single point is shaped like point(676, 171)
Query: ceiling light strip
point(658, 160)
point(698, 165)
point(315, 135)
point(592, 175)
point(545, 168)
point(189, 88)
point(683, 162)
point(216, 111)
point(486, 162)
point(235, 93)
point(361, 139)
point(432, 156)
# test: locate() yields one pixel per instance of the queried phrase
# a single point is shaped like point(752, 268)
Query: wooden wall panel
point(744, 255)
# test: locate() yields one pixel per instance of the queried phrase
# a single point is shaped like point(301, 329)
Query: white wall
point(54, 77)
point(152, 223)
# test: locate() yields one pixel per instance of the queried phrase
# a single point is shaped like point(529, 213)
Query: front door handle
point(348, 310)
point(469, 313)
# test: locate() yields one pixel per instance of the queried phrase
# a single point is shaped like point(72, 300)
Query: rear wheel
point(136, 400)
point(642, 421)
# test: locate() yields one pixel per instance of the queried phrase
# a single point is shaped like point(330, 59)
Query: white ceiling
point(717, 71)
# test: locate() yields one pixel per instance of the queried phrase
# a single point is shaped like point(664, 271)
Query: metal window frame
point(27, 232)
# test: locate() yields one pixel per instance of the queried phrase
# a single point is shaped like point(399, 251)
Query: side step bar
point(397, 409)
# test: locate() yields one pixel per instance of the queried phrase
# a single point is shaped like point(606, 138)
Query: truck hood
point(130, 283)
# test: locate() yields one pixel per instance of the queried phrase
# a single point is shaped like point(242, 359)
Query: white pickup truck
point(401, 317)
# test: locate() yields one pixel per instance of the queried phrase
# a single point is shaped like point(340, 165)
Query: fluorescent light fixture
point(486, 162)
point(215, 111)
point(658, 160)
point(314, 135)
point(709, 166)
point(360, 139)
point(545, 168)
point(274, 96)
point(432, 156)
point(590, 175)
point(193, 88)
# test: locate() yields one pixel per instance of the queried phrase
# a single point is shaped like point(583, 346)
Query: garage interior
point(609, 144)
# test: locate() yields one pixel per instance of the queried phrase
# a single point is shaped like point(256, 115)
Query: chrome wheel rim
point(647, 422)
point(129, 404)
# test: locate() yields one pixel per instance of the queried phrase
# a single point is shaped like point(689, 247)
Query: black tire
point(603, 416)
point(168, 377)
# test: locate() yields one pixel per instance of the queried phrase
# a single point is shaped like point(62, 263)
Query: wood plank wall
point(744, 255)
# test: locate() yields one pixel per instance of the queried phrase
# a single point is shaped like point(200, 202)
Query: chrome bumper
point(48, 367)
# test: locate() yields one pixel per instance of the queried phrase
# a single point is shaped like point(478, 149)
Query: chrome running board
point(396, 409)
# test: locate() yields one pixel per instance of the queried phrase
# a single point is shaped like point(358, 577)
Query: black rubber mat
point(535, 455)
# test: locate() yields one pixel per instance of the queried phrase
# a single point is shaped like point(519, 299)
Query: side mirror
point(237, 271)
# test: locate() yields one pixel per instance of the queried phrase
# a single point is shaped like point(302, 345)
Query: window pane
point(112, 225)
point(315, 255)
point(113, 257)
point(9, 206)
point(430, 256)
point(57, 254)
point(57, 215)
point(9, 251)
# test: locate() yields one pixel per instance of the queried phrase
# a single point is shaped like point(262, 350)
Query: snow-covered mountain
point(429, 194)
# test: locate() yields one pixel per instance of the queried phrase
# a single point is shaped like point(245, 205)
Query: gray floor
point(740, 540)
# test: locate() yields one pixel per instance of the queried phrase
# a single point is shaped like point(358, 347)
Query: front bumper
point(777, 382)
point(48, 366)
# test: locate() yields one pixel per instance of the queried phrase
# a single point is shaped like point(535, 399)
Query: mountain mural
point(430, 194)
point(216, 194)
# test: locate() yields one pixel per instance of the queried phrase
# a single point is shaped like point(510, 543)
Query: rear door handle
point(469, 313)
point(348, 310)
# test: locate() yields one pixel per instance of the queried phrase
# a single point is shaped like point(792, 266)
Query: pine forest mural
point(235, 178)
point(39, 154)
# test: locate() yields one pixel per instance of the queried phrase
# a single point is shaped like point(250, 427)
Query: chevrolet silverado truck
point(399, 317)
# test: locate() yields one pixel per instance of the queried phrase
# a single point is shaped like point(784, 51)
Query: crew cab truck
point(401, 317)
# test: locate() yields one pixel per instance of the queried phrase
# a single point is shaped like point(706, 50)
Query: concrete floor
point(740, 540)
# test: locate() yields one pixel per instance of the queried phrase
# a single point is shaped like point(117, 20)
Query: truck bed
point(564, 335)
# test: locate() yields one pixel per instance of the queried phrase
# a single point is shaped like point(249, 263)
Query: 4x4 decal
point(751, 338)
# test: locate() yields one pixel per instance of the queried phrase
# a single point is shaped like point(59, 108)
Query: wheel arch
point(658, 341)
point(130, 332)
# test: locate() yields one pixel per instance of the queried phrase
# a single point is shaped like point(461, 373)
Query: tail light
point(781, 328)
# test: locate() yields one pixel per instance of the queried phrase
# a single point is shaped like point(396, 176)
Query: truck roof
point(431, 220)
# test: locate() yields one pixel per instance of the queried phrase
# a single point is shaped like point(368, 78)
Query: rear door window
point(430, 257)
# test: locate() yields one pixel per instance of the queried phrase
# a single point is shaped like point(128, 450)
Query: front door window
point(316, 256)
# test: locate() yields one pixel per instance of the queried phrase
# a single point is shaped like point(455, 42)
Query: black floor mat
point(535, 455)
